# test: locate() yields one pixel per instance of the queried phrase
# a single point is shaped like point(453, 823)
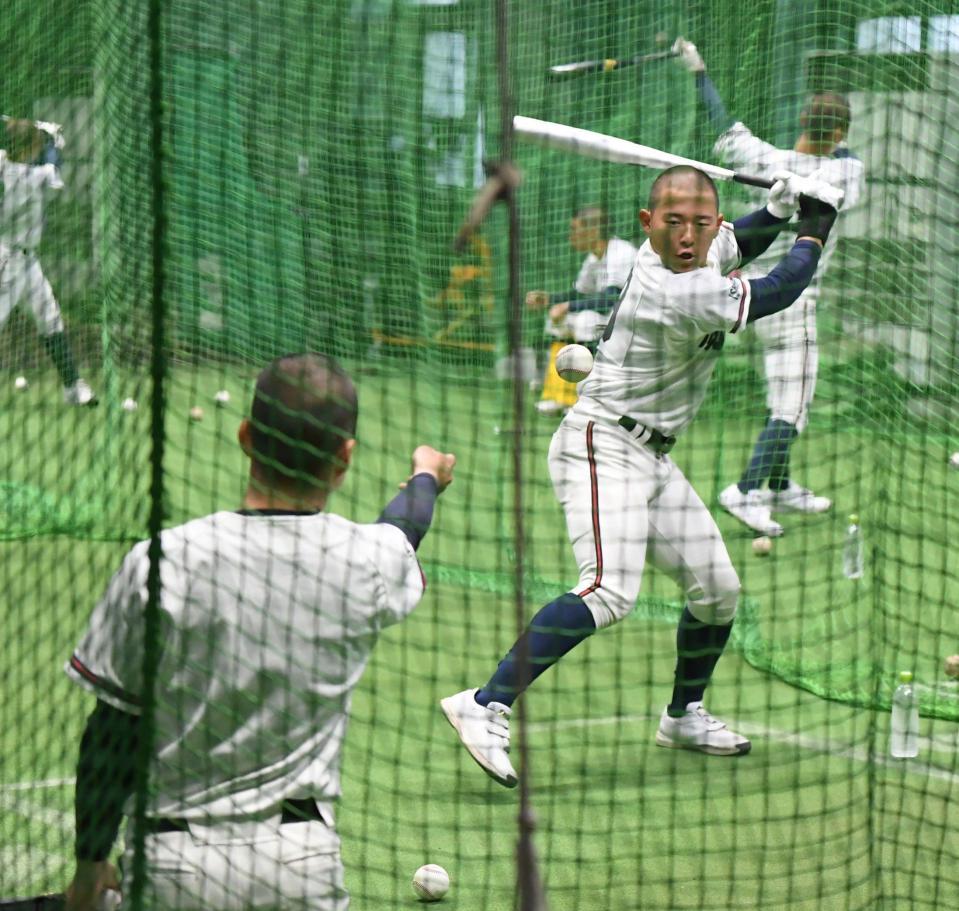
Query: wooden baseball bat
point(620, 151)
point(606, 66)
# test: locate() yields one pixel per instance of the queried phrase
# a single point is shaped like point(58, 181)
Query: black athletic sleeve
point(602, 303)
point(560, 297)
point(719, 119)
point(755, 232)
point(411, 510)
point(776, 291)
point(106, 774)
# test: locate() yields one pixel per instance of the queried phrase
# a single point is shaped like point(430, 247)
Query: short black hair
point(304, 408)
point(676, 174)
point(825, 113)
point(593, 216)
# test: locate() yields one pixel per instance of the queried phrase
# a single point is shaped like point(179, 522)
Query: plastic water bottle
point(852, 550)
point(904, 735)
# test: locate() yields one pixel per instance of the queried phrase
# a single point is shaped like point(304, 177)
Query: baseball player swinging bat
point(620, 151)
point(607, 65)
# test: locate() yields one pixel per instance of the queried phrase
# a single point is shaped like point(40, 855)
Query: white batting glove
point(53, 130)
point(688, 56)
point(783, 198)
point(819, 189)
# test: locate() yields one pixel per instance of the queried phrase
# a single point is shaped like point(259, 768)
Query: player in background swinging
point(266, 620)
point(580, 314)
point(29, 173)
point(788, 339)
point(625, 500)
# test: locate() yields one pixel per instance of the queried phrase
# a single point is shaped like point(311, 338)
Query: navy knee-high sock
point(770, 458)
point(59, 350)
point(558, 627)
point(698, 647)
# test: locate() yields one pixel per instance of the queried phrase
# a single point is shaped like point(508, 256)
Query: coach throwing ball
point(625, 500)
point(267, 618)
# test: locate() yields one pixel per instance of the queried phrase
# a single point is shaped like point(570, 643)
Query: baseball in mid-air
point(20, 383)
point(762, 546)
point(574, 362)
point(129, 405)
point(953, 460)
point(196, 413)
point(952, 666)
point(431, 882)
point(222, 398)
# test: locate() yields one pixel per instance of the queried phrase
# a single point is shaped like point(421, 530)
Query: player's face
point(682, 226)
point(582, 237)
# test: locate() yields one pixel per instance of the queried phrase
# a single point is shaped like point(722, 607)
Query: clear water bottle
point(852, 550)
point(904, 734)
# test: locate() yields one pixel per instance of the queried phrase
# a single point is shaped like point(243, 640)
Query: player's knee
point(608, 606)
point(716, 605)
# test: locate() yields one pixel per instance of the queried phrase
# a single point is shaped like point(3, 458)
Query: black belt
point(298, 810)
point(649, 436)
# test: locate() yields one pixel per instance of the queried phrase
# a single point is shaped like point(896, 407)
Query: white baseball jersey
point(25, 191)
point(266, 625)
point(609, 271)
point(652, 365)
point(742, 151)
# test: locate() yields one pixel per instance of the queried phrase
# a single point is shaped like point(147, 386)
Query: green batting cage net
point(215, 184)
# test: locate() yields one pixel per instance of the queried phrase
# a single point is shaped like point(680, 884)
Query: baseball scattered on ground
point(574, 362)
point(129, 405)
point(196, 413)
point(762, 546)
point(431, 882)
point(222, 398)
point(20, 383)
point(952, 666)
point(953, 460)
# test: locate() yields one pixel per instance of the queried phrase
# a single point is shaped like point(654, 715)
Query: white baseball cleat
point(698, 730)
point(751, 509)
point(79, 393)
point(797, 499)
point(484, 731)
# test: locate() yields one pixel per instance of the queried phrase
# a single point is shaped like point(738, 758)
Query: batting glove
point(688, 56)
point(783, 194)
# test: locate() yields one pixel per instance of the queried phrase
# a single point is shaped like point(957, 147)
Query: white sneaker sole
point(773, 530)
point(663, 740)
point(449, 710)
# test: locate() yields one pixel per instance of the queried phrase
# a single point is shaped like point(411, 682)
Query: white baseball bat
point(620, 151)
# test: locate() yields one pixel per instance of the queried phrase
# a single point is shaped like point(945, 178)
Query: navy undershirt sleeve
point(106, 775)
point(560, 297)
point(719, 118)
point(755, 232)
point(411, 510)
point(776, 291)
point(603, 303)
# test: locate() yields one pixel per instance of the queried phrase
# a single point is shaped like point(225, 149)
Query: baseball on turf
point(762, 546)
point(953, 459)
point(129, 405)
point(222, 398)
point(952, 666)
point(20, 383)
point(196, 413)
point(431, 882)
point(573, 363)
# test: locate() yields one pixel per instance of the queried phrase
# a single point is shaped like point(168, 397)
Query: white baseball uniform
point(791, 353)
point(266, 625)
point(625, 503)
point(25, 191)
point(611, 270)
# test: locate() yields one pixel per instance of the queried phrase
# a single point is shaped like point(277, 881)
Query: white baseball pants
point(22, 278)
point(625, 505)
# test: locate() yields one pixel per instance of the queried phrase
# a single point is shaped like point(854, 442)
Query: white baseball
point(431, 882)
point(20, 383)
point(574, 362)
point(953, 459)
point(196, 413)
point(129, 405)
point(762, 546)
point(222, 398)
point(109, 900)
